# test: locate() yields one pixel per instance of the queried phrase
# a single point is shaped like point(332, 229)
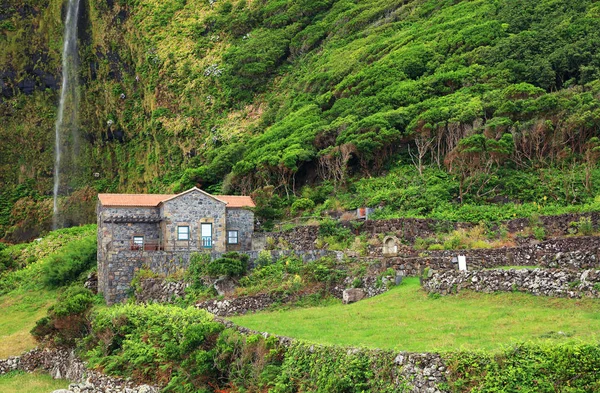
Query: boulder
point(352, 295)
point(224, 286)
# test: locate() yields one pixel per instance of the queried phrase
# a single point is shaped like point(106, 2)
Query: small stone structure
point(544, 282)
point(160, 232)
point(390, 246)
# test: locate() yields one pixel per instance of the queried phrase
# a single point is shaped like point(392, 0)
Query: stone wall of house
point(241, 220)
point(193, 209)
point(546, 282)
point(113, 236)
point(64, 364)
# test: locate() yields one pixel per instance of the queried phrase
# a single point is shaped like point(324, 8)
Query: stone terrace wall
point(545, 282)
point(424, 372)
point(407, 229)
point(124, 264)
point(566, 253)
point(63, 364)
point(158, 290)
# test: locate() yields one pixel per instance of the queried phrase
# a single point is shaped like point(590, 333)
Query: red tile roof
point(236, 200)
point(153, 200)
point(141, 200)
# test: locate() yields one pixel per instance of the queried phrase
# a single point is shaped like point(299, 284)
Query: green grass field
point(19, 382)
point(405, 318)
point(20, 310)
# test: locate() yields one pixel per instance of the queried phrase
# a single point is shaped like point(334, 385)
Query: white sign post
point(462, 263)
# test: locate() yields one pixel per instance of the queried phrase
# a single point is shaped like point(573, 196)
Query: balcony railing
point(148, 245)
point(162, 245)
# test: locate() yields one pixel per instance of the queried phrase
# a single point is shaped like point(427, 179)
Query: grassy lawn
point(19, 312)
point(405, 318)
point(19, 382)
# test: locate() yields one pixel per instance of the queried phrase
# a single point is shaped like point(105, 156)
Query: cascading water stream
point(68, 106)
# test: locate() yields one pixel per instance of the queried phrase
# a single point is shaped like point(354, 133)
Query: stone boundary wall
point(63, 364)
point(424, 372)
point(158, 290)
point(407, 229)
point(539, 282)
point(572, 253)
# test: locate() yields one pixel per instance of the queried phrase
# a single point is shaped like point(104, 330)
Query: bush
point(67, 319)
point(302, 204)
point(527, 368)
point(585, 226)
point(159, 344)
point(69, 264)
point(231, 264)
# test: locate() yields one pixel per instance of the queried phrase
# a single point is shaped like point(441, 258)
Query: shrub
point(69, 264)
point(231, 264)
point(156, 343)
point(527, 368)
point(539, 233)
point(302, 204)
point(585, 226)
point(196, 268)
point(67, 320)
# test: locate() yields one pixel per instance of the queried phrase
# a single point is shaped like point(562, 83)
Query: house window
point(232, 237)
point(138, 242)
point(183, 233)
point(206, 233)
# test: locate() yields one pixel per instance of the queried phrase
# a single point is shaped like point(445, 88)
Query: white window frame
point(180, 234)
point(237, 237)
point(137, 242)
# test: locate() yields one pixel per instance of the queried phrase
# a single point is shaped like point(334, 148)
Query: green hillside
point(472, 102)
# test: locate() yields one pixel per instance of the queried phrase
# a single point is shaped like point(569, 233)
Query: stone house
point(159, 232)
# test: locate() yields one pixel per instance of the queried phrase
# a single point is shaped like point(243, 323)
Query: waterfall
point(66, 121)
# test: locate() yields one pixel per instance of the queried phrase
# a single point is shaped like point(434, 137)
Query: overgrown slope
point(238, 95)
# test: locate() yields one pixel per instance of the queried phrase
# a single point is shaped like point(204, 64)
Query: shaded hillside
point(479, 101)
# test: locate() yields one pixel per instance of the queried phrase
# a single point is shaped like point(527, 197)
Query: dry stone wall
point(408, 229)
point(418, 372)
point(565, 253)
point(539, 282)
point(63, 364)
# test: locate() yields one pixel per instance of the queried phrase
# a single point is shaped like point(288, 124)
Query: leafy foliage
point(527, 368)
point(67, 266)
point(67, 320)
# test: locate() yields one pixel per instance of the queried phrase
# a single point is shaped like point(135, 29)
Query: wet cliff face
point(30, 78)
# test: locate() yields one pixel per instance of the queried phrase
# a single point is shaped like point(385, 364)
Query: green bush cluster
point(527, 368)
point(290, 275)
point(160, 344)
point(67, 319)
point(231, 264)
point(71, 262)
point(186, 351)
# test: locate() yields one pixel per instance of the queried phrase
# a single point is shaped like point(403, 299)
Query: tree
point(476, 159)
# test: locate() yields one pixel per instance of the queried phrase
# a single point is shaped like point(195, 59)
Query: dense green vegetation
point(465, 103)
point(26, 292)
